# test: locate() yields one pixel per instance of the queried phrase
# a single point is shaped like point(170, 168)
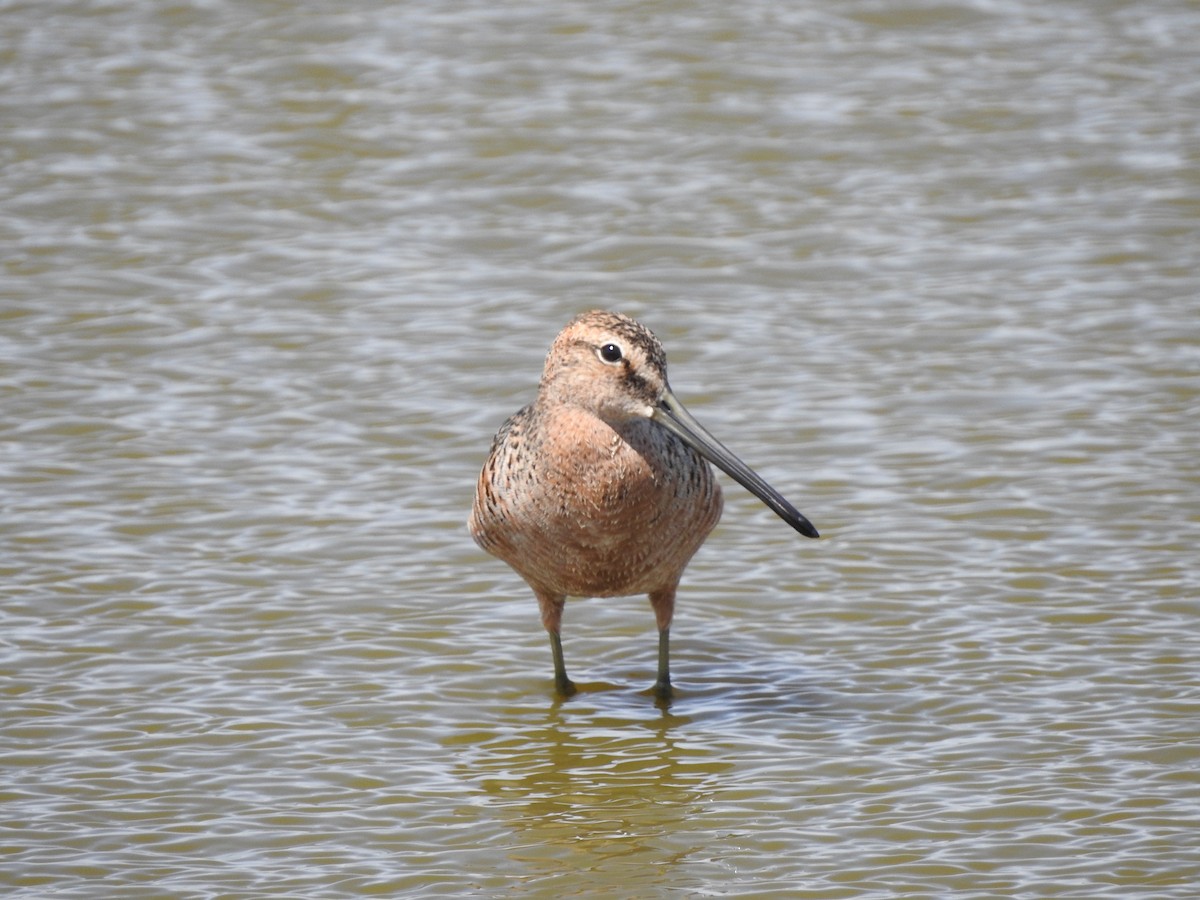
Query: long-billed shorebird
point(599, 488)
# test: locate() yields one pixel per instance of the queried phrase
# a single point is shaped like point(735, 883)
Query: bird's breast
point(582, 507)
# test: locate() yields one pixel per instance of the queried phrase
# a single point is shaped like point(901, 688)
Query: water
point(274, 273)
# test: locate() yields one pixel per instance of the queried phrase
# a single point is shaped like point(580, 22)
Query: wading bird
point(599, 488)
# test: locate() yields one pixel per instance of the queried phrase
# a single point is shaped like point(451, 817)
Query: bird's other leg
point(551, 606)
point(663, 603)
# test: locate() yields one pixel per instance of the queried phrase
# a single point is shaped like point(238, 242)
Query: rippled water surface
point(275, 272)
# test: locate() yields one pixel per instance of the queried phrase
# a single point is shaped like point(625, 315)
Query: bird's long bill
point(672, 415)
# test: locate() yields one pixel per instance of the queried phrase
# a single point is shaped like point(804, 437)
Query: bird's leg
point(552, 609)
point(562, 683)
point(662, 686)
point(663, 602)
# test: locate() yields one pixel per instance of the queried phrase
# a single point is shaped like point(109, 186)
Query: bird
point(601, 487)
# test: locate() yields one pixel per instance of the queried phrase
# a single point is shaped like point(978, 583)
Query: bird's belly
point(585, 510)
point(603, 538)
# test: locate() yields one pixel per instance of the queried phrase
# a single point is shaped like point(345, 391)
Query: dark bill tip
point(672, 415)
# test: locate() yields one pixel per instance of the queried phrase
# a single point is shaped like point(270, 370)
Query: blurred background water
point(274, 272)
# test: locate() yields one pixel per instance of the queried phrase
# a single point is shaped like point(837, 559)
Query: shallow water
point(274, 274)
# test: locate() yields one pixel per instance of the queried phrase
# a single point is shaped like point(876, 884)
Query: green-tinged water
point(275, 272)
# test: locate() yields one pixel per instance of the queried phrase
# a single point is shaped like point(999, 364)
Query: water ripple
point(275, 275)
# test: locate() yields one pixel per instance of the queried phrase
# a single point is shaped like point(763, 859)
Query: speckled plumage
point(585, 492)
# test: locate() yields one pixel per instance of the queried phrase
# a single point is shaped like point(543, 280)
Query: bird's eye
point(610, 353)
